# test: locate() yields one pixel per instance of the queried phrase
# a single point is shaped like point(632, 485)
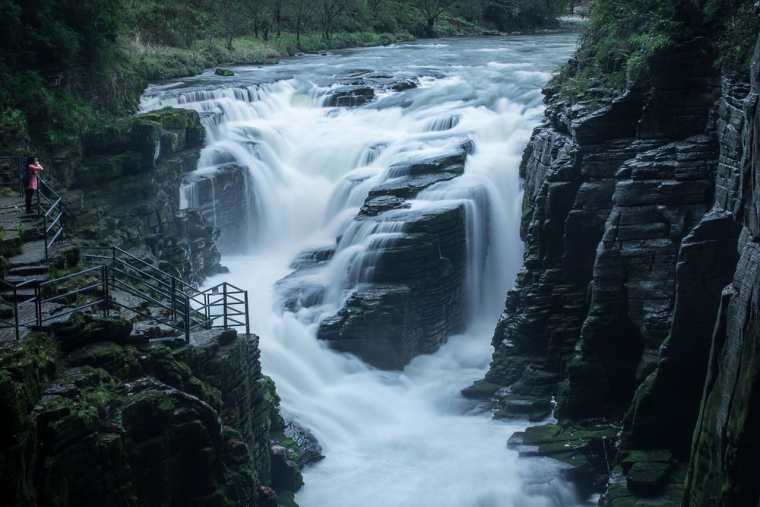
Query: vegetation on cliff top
point(623, 36)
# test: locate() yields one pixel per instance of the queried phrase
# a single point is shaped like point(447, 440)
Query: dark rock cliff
point(638, 300)
point(126, 191)
point(726, 437)
point(120, 422)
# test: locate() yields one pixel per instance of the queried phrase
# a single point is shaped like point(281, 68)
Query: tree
point(431, 11)
point(330, 12)
point(301, 11)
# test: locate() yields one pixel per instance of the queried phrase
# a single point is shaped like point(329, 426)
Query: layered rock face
point(726, 438)
point(224, 201)
point(414, 299)
point(127, 190)
point(107, 423)
point(640, 282)
point(405, 285)
point(610, 194)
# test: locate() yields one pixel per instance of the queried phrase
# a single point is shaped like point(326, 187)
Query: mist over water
point(404, 439)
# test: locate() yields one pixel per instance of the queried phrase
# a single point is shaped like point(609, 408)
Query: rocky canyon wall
point(126, 191)
point(95, 417)
point(638, 299)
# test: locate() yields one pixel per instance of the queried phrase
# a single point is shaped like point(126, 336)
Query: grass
point(156, 63)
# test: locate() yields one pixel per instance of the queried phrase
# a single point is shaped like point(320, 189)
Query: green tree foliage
point(65, 63)
point(47, 50)
point(509, 15)
point(623, 36)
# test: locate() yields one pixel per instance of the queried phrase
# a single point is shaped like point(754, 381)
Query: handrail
point(53, 207)
point(190, 307)
point(70, 276)
point(116, 250)
point(220, 306)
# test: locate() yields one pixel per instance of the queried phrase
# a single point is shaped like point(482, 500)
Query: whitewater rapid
point(399, 439)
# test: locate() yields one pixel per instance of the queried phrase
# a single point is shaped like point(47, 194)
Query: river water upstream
point(391, 438)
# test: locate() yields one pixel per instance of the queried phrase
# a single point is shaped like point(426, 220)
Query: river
point(391, 438)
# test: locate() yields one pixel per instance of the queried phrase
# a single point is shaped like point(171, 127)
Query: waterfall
point(391, 438)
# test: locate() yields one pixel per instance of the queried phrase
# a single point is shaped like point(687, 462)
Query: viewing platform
point(48, 278)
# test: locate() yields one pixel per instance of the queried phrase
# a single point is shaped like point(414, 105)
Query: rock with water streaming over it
point(409, 284)
point(414, 296)
point(223, 199)
point(349, 96)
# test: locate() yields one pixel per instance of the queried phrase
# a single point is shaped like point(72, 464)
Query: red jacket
point(33, 169)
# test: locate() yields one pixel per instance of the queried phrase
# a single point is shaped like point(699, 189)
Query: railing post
point(44, 230)
point(224, 303)
point(113, 267)
point(247, 321)
point(15, 310)
point(106, 297)
point(206, 310)
point(38, 305)
point(174, 300)
point(21, 175)
point(37, 196)
point(187, 319)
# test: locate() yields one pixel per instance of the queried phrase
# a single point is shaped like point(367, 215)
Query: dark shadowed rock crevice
point(726, 437)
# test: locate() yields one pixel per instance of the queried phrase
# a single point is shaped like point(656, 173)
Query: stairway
point(25, 270)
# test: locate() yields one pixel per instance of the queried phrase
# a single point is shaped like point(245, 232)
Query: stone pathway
point(27, 268)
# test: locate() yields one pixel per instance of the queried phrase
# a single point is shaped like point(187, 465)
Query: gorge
point(497, 271)
point(395, 209)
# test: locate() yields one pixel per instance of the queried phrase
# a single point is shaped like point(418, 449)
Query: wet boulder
point(406, 180)
point(222, 198)
point(349, 96)
point(415, 299)
point(286, 475)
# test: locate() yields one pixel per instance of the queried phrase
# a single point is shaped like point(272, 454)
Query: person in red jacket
point(33, 167)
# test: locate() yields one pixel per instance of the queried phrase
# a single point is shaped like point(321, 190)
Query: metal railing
point(184, 306)
point(53, 299)
point(50, 208)
point(180, 305)
point(223, 306)
point(49, 203)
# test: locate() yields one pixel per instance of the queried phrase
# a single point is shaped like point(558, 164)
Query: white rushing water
point(398, 439)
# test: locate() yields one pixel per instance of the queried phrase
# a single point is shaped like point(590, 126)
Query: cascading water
point(403, 438)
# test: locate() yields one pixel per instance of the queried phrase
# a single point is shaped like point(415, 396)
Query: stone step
point(34, 278)
point(31, 270)
point(20, 295)
point(32, 253)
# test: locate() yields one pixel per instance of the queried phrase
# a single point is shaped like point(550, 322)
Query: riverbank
point(158, 63)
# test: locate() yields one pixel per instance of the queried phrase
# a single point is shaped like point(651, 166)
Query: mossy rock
point(119, 361)
point(584, 448)
point(224, 72)
point(25, 370)
point(107, 139)
point(144, 137)
point(480, 390)
point(103, 169)
point(648, 478)
point(166, 365)
point(534, 409)
point(82, 329)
